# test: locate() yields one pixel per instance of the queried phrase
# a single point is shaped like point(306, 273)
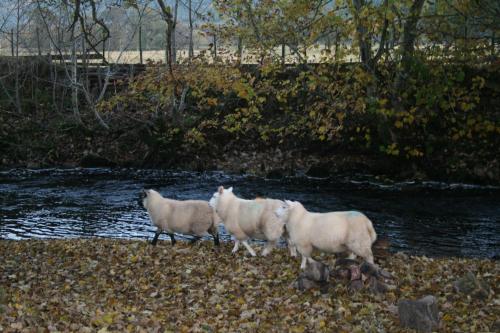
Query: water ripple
point(431, 218)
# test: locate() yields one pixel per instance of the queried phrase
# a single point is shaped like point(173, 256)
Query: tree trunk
point(174, 25)
point(362, 34)
point(215, 46)
point(466, 39)
point(74, 79)
point(408, 45)
point(283, 54)
point(167, 16)
point(12, 48)
point(85, 65)
point(37, 31)
point(17, 78)
point(191, 47)
point(103, 51)
point(140, 41)
point(240, 49)
point(337, 42)
point(492, 45)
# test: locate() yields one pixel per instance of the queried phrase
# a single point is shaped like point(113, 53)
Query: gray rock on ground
point(317, 271)
point(469, 284)
point(421, 315)
point(316, 275)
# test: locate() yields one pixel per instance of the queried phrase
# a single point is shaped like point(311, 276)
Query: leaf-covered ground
point(116, 285)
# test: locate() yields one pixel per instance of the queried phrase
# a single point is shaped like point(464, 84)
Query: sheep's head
point(143, 197)
point(283, 211)
point(214, 201)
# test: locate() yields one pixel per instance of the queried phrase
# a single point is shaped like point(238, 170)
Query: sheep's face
point(283, 211)
point(214, 201)
point(144, 197)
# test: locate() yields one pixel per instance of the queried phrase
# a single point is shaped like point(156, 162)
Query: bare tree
point(190, 13)
point(174, 26)
point(408, 44)
point(78, 81)
point(166, 12)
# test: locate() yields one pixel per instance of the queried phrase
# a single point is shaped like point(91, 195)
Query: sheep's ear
point(221, 189)
point(230, 189)
point(288, 203)
point(145, 192)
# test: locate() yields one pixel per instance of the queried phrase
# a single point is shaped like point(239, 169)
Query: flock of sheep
point(266, 219)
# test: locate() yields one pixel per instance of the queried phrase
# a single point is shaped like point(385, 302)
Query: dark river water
point(435, 219)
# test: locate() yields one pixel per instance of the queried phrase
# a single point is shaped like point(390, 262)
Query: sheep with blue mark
point(331, 232)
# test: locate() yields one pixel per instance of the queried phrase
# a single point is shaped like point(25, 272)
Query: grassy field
point(115, 285)
point(315, 54)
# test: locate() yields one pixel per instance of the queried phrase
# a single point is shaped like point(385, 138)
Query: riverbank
point(80, 148)
point(271, 121)
point(117, 285)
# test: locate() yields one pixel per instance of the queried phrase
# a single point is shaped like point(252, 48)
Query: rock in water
point(470, 285)
point(421, 315)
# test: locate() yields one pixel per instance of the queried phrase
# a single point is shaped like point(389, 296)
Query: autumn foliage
point(414, 84)
point(130, 286)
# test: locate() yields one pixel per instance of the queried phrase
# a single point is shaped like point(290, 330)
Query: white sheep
point(191, 217)
point(245, 219)
point(329, 232)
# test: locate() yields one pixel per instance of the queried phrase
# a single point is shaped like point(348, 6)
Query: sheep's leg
point(351, 256)
point(249, 248)
point(172, 238)
point(268, 248)
point(311, 260)
point(155, 238)
point(236, 246)
point(215, 235)
point(364, 252)
point(303, 262)
point(292, 248)
point(305, 251)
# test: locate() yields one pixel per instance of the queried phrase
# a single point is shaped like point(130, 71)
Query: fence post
point(140, 42)
point(283, 54)
point(104, 50)
point(37, 32)
point(215, 46)
point(12, 41)
point(493, 44)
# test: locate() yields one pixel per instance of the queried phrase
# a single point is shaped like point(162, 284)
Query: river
point(425, 218)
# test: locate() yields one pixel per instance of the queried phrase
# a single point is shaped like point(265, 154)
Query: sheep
point(192, 217)
point(245, 219)
point(329, 232)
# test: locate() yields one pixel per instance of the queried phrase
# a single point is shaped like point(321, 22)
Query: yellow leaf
point(447, 317)
point(212, 101)
point(107, 318)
